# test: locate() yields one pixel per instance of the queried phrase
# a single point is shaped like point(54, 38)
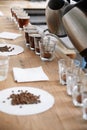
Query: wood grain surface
point(63, 115)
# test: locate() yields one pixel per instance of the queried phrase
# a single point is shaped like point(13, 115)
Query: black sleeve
point(82, 4)
point(76, 0)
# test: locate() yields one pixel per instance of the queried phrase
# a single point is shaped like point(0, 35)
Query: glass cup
point(84, 88)
point(73, 77)
point(19, 13)
point(4, 65)
point(70, 79)
point(14, 11)
point(31, 34)
point(77, 91)
point(23, 20)
point(63, 64)
point(37, 40)
point(84, 109)
point(62, 71)
point(27, 29)
point(47, 47)
point(26, 37)
point(84, 97)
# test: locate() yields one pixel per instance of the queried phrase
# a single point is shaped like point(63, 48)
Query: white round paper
point(16, 49)
point(47, 101)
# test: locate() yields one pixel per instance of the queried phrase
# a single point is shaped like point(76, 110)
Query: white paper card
point(29, 74)
point(9, 35)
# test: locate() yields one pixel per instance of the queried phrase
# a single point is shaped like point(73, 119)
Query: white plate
point(17, 49)
point(47, 101)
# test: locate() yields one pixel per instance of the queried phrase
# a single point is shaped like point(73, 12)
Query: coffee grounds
point(79, 98)
point(6, 49)
point(24, 98)
point(47, 55)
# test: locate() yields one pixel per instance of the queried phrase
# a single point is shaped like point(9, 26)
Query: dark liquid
point(23, 22)
point(26, 37)
point(31, 39)
point(47, 55)
point(37, 50)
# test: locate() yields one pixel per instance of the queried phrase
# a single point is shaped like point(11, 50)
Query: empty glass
point(77, 91)
point(70, 80)
point(62, 71)
point(84, 97)
point(73, 77)
point(63, 65)
point(84, 110)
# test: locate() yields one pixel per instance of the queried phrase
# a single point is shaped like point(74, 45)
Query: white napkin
point(1, 14)
point(9, 35)
point(29, 74)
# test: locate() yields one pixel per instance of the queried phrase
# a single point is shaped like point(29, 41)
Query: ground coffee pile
point(24, 98)
point(6, 49)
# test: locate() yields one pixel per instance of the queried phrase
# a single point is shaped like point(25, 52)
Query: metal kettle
point(54, 12)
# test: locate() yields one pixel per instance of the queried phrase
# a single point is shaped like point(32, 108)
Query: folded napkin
point(9, 35)
point(29, 74)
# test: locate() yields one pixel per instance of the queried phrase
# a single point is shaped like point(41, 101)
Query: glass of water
point(77, 91)
point(84, 110)
point(84, 97)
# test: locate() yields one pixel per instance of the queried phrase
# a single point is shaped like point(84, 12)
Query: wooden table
point(63, 115)
point(24, 4)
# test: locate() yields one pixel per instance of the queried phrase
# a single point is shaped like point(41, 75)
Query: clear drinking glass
point(62, 71)
point(73, 77)
point(77, 93)
point(63, 65)
point(84, 97)
point(37, 40)
point(70, 80)
point(84, 88)
point(47, 47)
point(27, 29)
point(84, 110)
point(31, 35)
point(23, 20)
